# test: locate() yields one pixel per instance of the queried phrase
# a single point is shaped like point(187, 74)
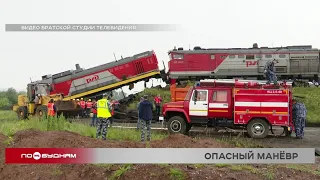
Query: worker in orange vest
point(83, 106)
point(88, 107)
point(94, 112)
point(158, 101)
point(112, 103)
point(51, 108)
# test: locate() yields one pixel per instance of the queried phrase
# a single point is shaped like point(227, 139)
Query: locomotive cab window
point(220, 96)
point(249, 56)
point(178, 56)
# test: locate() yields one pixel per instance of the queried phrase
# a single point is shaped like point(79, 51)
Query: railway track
point(156, 125)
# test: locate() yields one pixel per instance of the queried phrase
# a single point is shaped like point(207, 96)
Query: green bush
point(165, 94)
point(311, 98)
point(4, 102)
point(9, 98)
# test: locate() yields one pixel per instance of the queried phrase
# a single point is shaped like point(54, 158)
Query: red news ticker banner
point(48, 156)
point(163, 155)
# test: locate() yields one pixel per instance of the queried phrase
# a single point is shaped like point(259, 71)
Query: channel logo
point(38, 156)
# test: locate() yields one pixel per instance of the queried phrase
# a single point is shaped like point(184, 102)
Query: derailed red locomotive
point(89, 82)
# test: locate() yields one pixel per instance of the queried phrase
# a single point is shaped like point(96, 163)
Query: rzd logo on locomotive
point(91, 79)
point(251, 63)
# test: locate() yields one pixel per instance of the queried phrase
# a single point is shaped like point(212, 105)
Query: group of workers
point(85, 105)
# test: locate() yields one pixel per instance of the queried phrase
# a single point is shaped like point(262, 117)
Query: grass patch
point(10, 127)
point(164, 165)
point(120, 172)
point(304, 168)
point(269, 175)
point(199, 165)
point(56, 172)
point(240, 142)
point(8, 141)
point(244, 167)
point(222, 165)
point(311, 100)
point(8, 115)
point(250, 168)
point(105, 166)
point(236, 168)
point(177, 174)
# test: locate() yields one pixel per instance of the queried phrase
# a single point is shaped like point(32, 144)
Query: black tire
point(41, 111)
point(317, 150)
point(254, 132)
point(189, 126)
point(22, 112)
point(177, 124)
point(287, 133)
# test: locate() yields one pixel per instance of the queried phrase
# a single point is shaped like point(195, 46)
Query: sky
point(205, 23)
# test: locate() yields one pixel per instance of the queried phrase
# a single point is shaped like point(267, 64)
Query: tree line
point(9, 97)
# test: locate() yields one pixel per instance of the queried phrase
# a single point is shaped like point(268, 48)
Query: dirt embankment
point(33, 138)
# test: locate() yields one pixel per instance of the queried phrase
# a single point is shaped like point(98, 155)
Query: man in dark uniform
point(299, 114)
point(269, 71)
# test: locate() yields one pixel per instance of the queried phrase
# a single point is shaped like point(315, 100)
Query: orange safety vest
point(94, 109)
point(112, 110)
point(158, 100)
point(82, 104)
point(50, 109)
point(89, 105)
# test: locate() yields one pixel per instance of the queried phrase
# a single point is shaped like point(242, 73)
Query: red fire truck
point(251, 105)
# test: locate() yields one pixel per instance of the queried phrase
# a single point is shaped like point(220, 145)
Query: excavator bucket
point(68, 108)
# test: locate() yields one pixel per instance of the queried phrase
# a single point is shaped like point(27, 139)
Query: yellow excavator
point(36, 100)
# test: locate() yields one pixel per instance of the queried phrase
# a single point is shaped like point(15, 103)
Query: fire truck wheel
point(258, 128)
point(177, 125)
point(189, 126)
point(41, 110)
point(22, 112)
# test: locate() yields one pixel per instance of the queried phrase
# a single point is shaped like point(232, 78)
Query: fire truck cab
point(250, 105)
